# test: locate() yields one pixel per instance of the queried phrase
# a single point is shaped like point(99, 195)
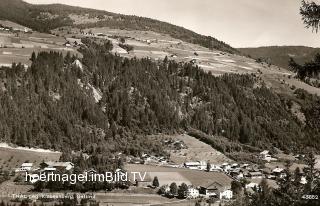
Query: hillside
point(280, 55)
point(53, 105)
point(44, 18)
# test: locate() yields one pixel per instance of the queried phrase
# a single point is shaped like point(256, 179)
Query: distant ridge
point(280, 55)
point(44, 18)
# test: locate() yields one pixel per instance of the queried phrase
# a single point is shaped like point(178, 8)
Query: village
point(199, 179)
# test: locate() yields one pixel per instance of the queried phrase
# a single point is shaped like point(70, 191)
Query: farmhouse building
point(25, 167)
point(278, 172)
point(265, 155)
point(255, 175)
point(217, 190)
point(199, 165)
point(192, 192)
point(61, 166)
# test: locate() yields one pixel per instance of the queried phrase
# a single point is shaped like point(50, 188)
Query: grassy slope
point(47, 17)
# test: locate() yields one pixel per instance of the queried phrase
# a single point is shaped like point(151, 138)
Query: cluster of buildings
point(45, 167)
point(15, 29)
point(209, 190)
point(147, 159)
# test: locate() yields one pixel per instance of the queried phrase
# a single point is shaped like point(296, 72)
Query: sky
point(240, 23)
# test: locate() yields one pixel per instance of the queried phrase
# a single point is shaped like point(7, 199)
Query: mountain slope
point(52, 105)
point(47, 17)
point(280, 55)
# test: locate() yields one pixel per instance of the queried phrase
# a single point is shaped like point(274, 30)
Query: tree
point(208, 166)
point(155, 182)
point(183, 188)
point(236, 187)
point(174, 189)
point(263, 195)
point(163, 189)
point(310, 12)
point(122, 40)
point(33, 57)
point(309, 171)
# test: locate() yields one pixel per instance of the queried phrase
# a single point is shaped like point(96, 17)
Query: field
point(12, 158)
point(196, 151)
point(19, 47)
point(168, 175)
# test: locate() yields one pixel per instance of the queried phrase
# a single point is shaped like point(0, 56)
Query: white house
point(226, 194)
point(192, 192)
point(60, 165)
point(216, 189)
point(215, 168)
point(303, 180)
point(252, 185)
point(265, 155)
point(199, 165)
point(278, 172)
point(24, 167)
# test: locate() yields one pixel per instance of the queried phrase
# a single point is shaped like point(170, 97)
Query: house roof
point(255, 173)
point(26, 164)
point(59, 164)
point(278, 170)
point(213, 186)
point(192, 163)
point(265, 152)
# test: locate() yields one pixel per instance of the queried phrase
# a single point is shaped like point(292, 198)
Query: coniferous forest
point(51, 105)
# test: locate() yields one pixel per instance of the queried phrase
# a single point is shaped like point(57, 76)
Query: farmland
point(148, 44)
point(179, 175)
point(13, 157)
point(18, 46)
point(195, 151)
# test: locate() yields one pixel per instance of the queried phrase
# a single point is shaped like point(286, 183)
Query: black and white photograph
point(159, 102)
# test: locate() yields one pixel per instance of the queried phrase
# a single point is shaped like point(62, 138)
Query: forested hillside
point(44, 18)
point(52, 105)
point(280, 55)
point(309, 71)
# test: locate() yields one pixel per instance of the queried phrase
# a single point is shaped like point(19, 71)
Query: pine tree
point(155, 182)
point(174, 189)
point(310, 12)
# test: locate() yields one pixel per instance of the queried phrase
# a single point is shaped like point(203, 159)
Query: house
point(192, 193)
point(226, 167)
point(217, 190)
point(255, 175)
point(278, 172)
point(59, 165)
point(199, 165)
point(252, 185)
point(265, 155)
point(49, 169)
point(24, 167)
point(303, 180)
point(215, 168)
point(226, 194)
point(67, 44)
